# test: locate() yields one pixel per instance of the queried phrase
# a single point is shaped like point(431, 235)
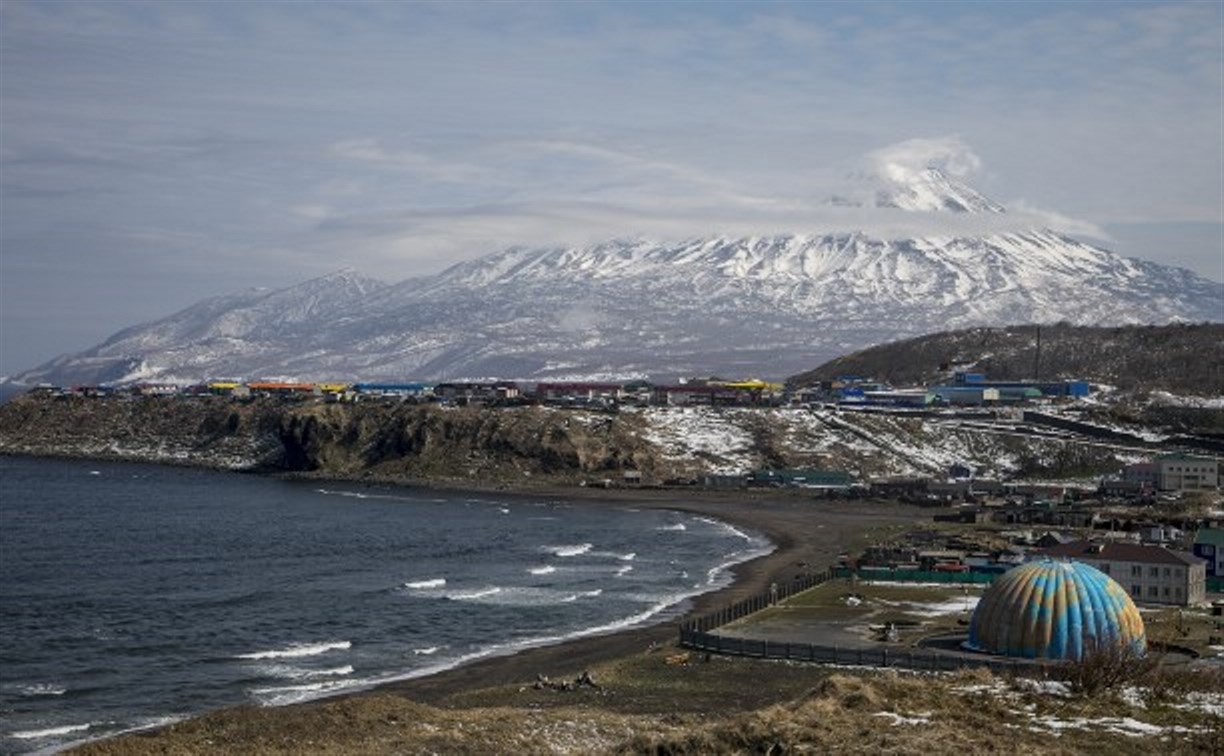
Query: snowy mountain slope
point(768, 306)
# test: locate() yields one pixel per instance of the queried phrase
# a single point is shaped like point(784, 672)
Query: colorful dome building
point(1055, 610)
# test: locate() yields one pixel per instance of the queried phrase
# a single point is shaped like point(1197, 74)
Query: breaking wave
point(569, 551)
point(299, 650)
point(434, 583)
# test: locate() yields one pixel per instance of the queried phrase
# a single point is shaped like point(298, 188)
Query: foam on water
point(625, 570)
point(547, 569)
point(298, 650)
point(728, 528)
point(433, 583)
point(298, 673)
point(568, 551)
point(42, 689)
point(430, 651)
point(52, 732)
point(290, 694)
point(674, 527)
point(473, 595)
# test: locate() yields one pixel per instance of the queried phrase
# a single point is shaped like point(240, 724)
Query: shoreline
point(806, 534)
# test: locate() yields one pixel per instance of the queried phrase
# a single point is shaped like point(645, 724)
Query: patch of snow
point(900, 719)
point(690, 433)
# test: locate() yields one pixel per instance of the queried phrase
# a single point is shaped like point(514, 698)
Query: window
point(1136, 571)
point(1153, 572)
point(1168, 571)
point(1153, 592)
point(1180, 572)
point(1166, 591)
point(1136, 591)
point(1177, 592)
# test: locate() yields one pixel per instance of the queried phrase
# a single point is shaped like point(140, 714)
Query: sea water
point(132, 595)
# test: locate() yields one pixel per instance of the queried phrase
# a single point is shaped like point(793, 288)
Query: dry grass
point(645, 706)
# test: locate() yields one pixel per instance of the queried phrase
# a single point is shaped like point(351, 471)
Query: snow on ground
point(902, 719)
point(689, 433)
point(1202, 402)
point(1207, 703)
point(936, 609)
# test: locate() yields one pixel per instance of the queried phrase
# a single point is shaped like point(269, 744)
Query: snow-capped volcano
point(766, 306)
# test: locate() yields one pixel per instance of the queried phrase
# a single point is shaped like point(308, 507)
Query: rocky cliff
point(380, 440)
point(526, 446)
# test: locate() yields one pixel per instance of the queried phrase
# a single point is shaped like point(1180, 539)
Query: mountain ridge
point(766, 305)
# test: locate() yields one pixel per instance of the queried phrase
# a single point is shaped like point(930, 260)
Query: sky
point(153, 154)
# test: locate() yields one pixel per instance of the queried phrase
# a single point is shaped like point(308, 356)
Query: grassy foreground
point(669, 702)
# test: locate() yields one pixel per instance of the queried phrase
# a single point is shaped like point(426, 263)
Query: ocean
point(134, 595)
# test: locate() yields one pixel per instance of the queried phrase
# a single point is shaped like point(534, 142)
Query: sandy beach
point(808, 535)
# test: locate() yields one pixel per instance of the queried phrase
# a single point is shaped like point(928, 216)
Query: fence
point(907, 658)
point(695, 634)
point(756, 603)
point(918, 576)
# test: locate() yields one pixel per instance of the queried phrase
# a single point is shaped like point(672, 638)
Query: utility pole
point(1037, 357)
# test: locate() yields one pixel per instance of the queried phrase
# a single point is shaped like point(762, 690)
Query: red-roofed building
point(1150, 574)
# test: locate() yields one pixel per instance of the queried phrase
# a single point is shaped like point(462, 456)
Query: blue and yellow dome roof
point(1055, 610)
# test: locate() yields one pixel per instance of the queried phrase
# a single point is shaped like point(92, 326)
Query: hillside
point(526, 446)
point(1180, 359)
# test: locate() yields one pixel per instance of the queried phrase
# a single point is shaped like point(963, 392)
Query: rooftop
point(1213, 536)
point(1121, 552)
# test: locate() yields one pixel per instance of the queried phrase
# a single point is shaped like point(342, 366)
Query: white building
point(1150, 574)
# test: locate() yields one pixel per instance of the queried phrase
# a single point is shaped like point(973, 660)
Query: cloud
point(903, 161)
point(666, 201)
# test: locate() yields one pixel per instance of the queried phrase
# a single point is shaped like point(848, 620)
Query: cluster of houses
point(965, 389)
point(1152, 573)
point(1163, 474)
point(691, 392)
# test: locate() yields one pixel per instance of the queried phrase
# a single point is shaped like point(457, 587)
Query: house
point(1175, 472)
point(465, 393)
point(1150, 574)
point(578, 393)
point(802, 478)
point(1182, 472)
point(1123, 489)
point(389, 390)
point(1209, 545)
point(1160, 534)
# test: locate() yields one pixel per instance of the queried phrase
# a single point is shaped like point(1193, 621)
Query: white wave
point(425, 651)
point(503, 510)
point(729, 528)
point(720, 574)
point(299, 650)
point(470, 595)
point(625, 570)
point(50, 732)
point(298, 673)
point(568, 551)
point(91, 472)
point(42, 689)
point(290, 694)
point(592, 593)
point(547, 569)
point(676, 527)
point(349, 494)
point(628, 557)
point(434, 583)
